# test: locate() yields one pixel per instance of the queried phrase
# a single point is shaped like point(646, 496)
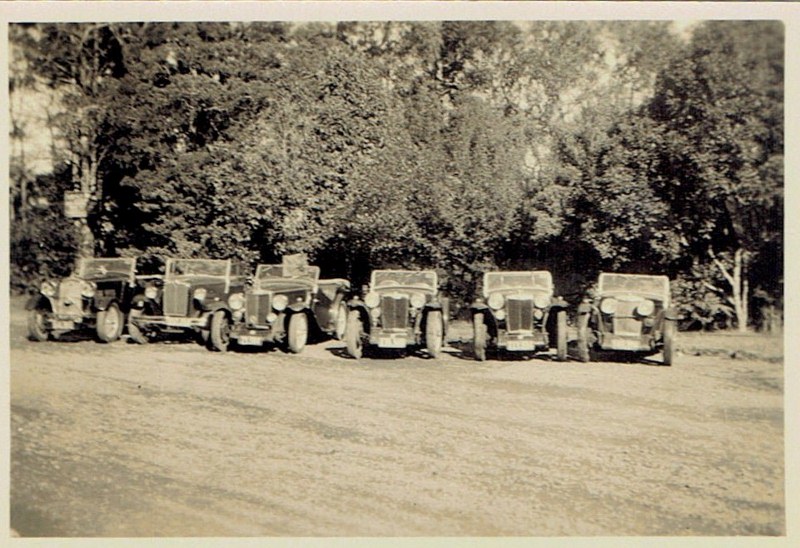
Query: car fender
point(363, 313)
point(672, 314)
point(102, 303)
point(37, 301)
point(559, 303)
point(296, 307)
point(213, 306)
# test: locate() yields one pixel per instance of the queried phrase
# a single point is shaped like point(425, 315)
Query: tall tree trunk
point(740, 287)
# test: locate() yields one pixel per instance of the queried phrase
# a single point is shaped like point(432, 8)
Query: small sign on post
point(76, 204)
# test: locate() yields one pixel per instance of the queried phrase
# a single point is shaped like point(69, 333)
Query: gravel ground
point(173, 440)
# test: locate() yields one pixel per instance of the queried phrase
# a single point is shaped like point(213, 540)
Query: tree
point(721, 113)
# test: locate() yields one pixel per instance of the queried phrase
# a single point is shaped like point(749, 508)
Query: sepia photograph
point(317, 270)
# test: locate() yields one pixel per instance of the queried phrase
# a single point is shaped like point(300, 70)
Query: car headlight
point(496, 300)
point(372, 299)
point(500, 314)
point(608, 306)
point(236, 301)
point(375, 313)
point(280, 302)
point(199, 294)
point(541, 301)
point(88, 290)
point(271, 317)
point(417, 300)
point(151, 292)
point(48, 289)
point(538, 314)
point(646, 307)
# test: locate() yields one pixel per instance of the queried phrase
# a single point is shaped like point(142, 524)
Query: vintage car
point(629, 312)
point(194, 295)
point(95, 296)
point(289, 304)
point(518, 312)
point(400, 309)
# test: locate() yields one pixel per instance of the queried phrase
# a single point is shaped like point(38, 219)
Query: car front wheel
point(561, 335)
point(109, 323)
point(583, 337)
point(433, 333)
point(340, 323)
point(479, 337)
point(298, 332)
point(134, 331)
point(36, 326)
point(220, 336)
point(352, 334)
point(669, 342)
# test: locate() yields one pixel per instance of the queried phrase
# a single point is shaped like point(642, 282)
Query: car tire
point(583, 338)
point(135, 333)
point(220, 336)
point(561, 335)
point(340, 323)
point(109, 323)
point(434, 330)
point(298, 332)
point(479, 337)
point(352, 335)
point(669, 342)
point(36, 326)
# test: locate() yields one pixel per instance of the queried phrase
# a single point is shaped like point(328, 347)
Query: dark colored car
point(95, 296)
point(631, 313)
point(194, 295)
point(401, 309)
point(517, 312)
point(289, 305)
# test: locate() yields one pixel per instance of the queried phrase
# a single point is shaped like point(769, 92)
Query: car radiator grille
point(258, 306)
point(394, 312)
point(519, 314)
point(176, 299)
point(625, 320)
point(69, 301)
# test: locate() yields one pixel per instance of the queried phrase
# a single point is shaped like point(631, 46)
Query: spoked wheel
point(434, 333)
point(298, 332)
point(561, 335)
point(669, 342)
point(583, 338)
point(37, 330)
point(353, 333)
point(109, 323)
point(134, 331)
point(220, 336)
point(340, 323)
point(479, 337)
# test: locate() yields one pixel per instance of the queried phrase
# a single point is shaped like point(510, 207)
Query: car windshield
point(94, 269)
point(634, 283)
point(197, 267)
point(421, 279)
point(538, 279)
point(272, 271)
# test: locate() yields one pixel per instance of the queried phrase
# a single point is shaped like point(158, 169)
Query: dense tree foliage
point(460, 146)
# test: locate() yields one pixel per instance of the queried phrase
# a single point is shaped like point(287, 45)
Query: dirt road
point(170, 439)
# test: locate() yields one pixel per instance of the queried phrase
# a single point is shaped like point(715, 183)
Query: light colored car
point(401, 309)
point(630, 313)
point(291, 305)
point(518, 312)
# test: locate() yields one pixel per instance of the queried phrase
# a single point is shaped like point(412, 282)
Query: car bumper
point(61, 322)
point(641, 343)
point(392, 338)
point(171, 322)
point(246, 336)
point(522, 342)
